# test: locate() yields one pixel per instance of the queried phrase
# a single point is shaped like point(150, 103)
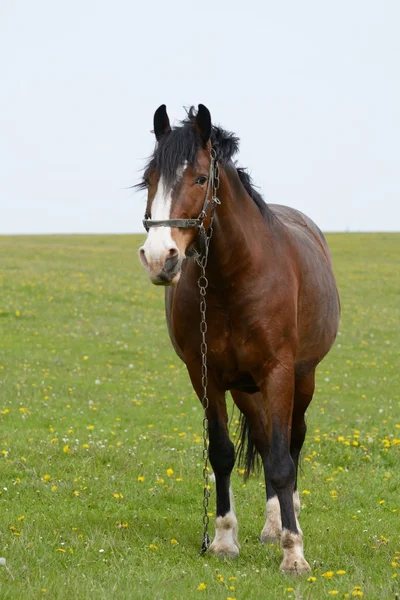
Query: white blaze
point(159, 240)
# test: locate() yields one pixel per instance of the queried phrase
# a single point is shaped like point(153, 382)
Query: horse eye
point(201, 180)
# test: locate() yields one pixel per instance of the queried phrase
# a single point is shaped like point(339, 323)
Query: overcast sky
point(312, 88)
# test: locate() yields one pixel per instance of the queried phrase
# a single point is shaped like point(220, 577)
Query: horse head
point(179, 181)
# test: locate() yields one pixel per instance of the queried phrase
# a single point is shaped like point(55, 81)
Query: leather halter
point(213, 181)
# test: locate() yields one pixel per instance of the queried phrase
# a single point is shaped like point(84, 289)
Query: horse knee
point(222, 457)
point(298, 435)
point(221, 452)
point(281, 471)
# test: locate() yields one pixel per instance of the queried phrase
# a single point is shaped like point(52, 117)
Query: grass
point(100, 436)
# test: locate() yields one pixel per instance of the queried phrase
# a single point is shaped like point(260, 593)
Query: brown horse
point(272, 312)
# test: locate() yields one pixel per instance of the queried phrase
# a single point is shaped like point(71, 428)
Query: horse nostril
point(172, 252)
point(143, 259)
point(171, 261)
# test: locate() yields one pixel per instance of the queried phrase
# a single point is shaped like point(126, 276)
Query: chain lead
point(203, 284)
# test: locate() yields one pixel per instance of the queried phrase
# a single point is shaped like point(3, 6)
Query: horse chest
point(222, 328)
point(228, 356)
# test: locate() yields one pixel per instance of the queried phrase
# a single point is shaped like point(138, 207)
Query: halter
point(213, 182)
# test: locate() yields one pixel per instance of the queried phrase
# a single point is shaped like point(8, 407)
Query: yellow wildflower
point(328, 574)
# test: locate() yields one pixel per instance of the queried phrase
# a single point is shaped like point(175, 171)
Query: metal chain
point(203, 284)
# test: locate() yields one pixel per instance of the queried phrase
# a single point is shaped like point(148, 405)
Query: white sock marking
point(226, 532)
point(273, 525)
point(293, 554)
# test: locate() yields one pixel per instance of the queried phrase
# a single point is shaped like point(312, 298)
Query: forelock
point(182, 144)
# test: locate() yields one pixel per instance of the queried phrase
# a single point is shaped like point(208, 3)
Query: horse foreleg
point(222, 459)
point(254, 409)
point(278, 389)
point(303, 393)
point(221, 453)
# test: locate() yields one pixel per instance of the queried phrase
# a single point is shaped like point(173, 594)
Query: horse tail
point(247, 454)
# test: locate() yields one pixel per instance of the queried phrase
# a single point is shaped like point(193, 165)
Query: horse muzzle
point(162, 270)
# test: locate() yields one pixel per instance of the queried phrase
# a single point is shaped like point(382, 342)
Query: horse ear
point(161, 122)
point(202, 123)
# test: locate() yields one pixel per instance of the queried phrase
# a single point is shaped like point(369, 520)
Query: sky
point(311, 88)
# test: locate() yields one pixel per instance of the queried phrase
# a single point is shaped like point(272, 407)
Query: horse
point(272, 313)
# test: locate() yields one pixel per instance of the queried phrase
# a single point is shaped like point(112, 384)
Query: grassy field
point(100, 437)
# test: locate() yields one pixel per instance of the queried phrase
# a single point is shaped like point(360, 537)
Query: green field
point(100, 437)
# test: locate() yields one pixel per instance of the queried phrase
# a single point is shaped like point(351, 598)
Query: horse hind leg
point(277, 387)
point(303, 394)
point(272, 529)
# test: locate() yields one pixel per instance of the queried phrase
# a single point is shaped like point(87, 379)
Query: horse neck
point(236, 223)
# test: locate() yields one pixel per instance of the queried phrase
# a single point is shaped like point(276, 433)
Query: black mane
point(182, 144)
point(254, 195)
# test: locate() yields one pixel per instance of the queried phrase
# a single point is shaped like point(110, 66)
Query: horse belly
point(318, 317)
point(244, 382)
point(318, 308)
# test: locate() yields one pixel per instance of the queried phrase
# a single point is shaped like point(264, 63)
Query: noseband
point(213, 183)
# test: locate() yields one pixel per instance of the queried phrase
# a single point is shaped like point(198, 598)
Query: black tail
point(247, 454)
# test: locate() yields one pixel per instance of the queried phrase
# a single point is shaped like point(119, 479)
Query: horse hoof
point(295, 567)
point(224, 550)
